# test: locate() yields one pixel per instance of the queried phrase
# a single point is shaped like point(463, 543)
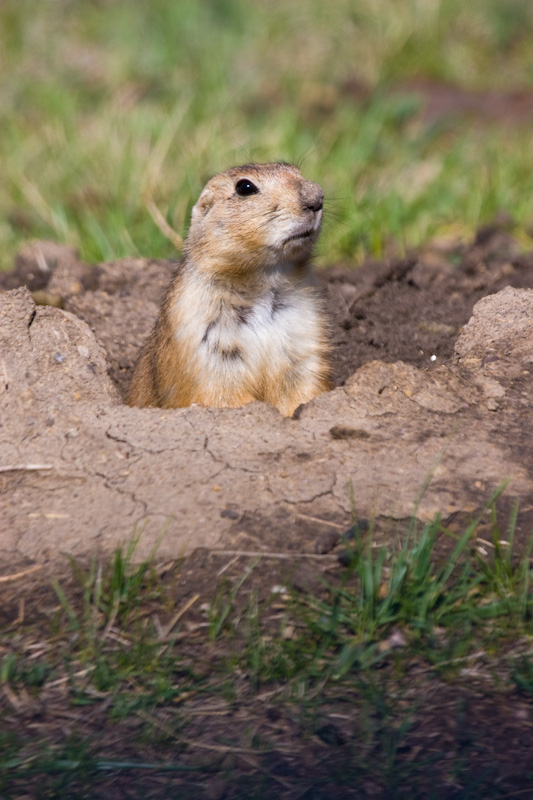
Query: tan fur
point(238, 322)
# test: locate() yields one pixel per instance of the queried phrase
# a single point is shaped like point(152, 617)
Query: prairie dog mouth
point(302, 235)
point(306, 229)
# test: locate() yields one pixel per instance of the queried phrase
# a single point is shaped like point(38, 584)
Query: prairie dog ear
point(203, 204)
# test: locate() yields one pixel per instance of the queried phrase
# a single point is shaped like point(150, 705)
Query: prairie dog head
point(255, 217)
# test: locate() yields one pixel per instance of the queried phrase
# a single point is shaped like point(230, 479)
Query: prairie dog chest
point(264, 335)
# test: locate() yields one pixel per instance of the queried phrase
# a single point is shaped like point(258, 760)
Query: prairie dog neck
point(247, 289)
point(239, 321)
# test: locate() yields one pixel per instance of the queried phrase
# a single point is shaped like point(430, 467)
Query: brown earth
point(436, 398)
point(440, 403)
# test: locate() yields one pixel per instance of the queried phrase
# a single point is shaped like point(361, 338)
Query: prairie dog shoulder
point(239, 321)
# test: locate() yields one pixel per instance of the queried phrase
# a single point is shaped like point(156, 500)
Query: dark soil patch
point(412, 310)
point(445, 102)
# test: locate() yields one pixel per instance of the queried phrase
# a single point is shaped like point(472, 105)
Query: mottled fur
point(238, 322)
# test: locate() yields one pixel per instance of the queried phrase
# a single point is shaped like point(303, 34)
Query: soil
point(427, 407)
point(426, 386)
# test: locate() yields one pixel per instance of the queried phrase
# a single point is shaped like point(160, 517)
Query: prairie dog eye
point(244, 187)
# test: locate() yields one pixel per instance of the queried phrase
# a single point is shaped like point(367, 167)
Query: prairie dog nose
point(312, 196)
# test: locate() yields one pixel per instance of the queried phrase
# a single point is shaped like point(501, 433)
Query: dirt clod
point(82, 471)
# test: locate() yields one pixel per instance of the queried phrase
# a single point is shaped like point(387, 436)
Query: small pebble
point(345, 558)
point(326, 541)
point(330, 734)
point(273, 713)
point(358, 528)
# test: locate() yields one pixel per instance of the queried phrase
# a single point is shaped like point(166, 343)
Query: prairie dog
point(239, 322)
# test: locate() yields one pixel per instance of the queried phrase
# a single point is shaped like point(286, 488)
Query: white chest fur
point(250, 341)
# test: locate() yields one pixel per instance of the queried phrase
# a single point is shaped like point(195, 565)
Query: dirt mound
point(79, 471)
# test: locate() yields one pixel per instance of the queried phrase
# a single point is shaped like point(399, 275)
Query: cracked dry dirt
point(80, 472)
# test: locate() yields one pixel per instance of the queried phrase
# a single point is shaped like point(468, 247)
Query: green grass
point(104, 104)
point(113, 640)
point(352, 644)
point(111, 647)
point(442, 608)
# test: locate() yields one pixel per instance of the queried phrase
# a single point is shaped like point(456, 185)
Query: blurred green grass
point(104, 102)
